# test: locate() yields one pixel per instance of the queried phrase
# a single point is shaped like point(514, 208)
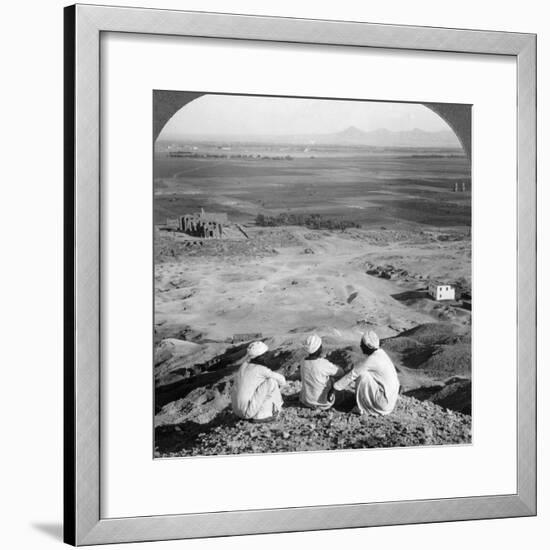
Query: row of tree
point(312, 221)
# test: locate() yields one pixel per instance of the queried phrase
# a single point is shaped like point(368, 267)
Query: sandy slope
point(292, 290)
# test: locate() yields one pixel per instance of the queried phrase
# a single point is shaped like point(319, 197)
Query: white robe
point(256, 394)
point(317, 382)
point(376, 382)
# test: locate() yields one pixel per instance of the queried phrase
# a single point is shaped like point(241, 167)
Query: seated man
point(256, 395)
point(316, 373)
point(376, 382)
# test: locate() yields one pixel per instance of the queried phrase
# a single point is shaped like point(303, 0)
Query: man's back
point(316, 381)
point(380, 367)
point(246, 381)
point(376, 383)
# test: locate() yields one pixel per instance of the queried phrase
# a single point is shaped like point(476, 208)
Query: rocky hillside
point(412, 423)
point(193, 386)
point(434, 362)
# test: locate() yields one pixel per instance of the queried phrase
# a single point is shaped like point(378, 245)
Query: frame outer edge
point(90, 21)
point(69, 472)
point(87, 273)
point(527, 275)
point(305, 31)
point(286, 520)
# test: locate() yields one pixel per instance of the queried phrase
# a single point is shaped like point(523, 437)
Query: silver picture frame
point(83, 524)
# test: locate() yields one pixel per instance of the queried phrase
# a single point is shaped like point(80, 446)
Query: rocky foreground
point(193, 387)
point(412, 423)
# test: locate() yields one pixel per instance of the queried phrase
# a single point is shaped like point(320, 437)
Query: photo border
point(82, 520)
point(158, 125)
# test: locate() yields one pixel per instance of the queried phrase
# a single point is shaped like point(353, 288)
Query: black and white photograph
point(312, 275)
point(274, 275)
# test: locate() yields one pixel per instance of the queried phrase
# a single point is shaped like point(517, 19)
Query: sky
point(250, 115)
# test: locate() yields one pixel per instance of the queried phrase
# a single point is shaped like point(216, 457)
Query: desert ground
point(283, 282)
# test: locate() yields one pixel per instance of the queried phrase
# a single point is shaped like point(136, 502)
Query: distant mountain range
point(383, 137)
point(352, 135)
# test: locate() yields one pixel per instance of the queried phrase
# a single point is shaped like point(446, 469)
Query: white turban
point(312, 343)
point(370, 339)
point(256, 349)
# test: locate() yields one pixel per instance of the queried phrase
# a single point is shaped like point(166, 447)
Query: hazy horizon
point(164, 137)
point(229, 116)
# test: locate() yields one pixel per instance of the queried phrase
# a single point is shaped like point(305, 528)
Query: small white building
point(441, 291)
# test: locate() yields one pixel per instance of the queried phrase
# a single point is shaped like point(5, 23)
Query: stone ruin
point(203, 224)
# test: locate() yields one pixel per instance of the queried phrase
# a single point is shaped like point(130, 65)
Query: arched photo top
point(353, 122)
